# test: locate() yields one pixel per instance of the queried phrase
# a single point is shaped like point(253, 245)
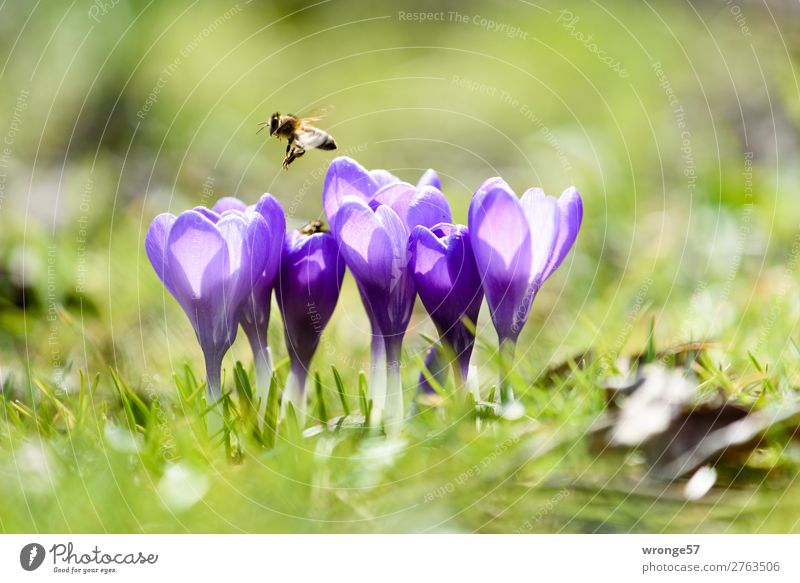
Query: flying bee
point(300, 134)
point(313, 227)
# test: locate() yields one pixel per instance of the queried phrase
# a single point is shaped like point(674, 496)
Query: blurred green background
point(678, 123)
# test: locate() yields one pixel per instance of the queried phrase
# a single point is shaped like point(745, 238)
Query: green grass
point(112, 457)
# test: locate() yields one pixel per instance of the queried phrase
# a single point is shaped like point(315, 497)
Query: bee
point(300, 134)
point(313, 227)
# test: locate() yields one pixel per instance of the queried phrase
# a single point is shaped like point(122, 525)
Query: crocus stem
point(377, 381)
point(394, 389)
point(506, 392)
point(295, 393)
point(262, 356)
point(214, 420)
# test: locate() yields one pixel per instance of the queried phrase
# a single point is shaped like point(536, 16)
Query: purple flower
point(256, 311)
point(371, 219)
point(311, 275)
point(229, 203)
point(443, 269)
point(209, 263)
point(518, 244)
point(430, 178)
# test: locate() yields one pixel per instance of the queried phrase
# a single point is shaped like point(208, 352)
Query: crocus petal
point(428, 208)
point(429, 266)
point(445, 274)
point(443, 268)
point(398, 242)
point(364, 242)
point(500, 232)
point(383, 177)
point(207, 213)
point(430, 178)
point(501, 242)
point(155, 244)
point(345, 177)
point(245, 238)
point(197, 256)
point(544, 218)
point(272, 211)
point(197, 269)
point(571, 211)
point(310, 278)
point(397, 196)
point(229, 203)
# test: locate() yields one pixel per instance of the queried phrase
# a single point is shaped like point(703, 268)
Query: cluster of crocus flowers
point(398, 241)
point(372, 215)
point(222, 265)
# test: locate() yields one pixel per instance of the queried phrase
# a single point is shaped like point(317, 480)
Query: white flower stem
point(295, 393)
point(263, 360)
point(505, 392)
point(377, 381)
point(262, 356)
point(393, 421)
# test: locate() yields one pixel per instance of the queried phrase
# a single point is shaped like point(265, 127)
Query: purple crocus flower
point(256, 311)
point(229, 203)
point(518, 244)
point(443, 269)
point(209, 263)
point(430, 178)
point(371, 219)
point(311, 275)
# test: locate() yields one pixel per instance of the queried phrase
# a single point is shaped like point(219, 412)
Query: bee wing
point(311, 137)
point(318, 114)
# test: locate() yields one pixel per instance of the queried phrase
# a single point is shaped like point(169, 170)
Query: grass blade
point(337, 378)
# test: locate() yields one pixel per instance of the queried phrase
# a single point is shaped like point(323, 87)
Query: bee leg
point(289, 158)
point(296, 152)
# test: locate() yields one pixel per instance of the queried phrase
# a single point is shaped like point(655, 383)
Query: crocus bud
point(443, 268)
point(309, 281)
point(229, 203)
point(209, 263)
point(256, 311)
point(518, 244)
point(430, 178)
